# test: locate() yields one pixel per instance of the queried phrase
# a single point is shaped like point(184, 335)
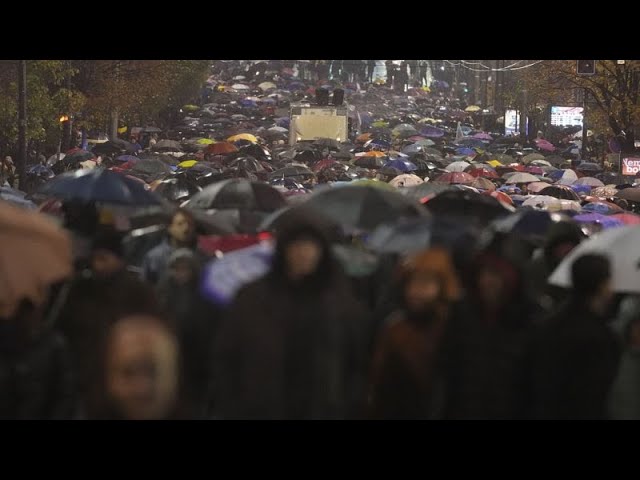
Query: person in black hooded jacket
point(293, 343)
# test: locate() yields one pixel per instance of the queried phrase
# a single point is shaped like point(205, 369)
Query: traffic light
point(586, 67)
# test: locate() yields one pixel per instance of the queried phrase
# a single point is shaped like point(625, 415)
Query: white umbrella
point(406, 180)
point(620, 246)
point(590, 181)
point(457, 167)
point(240, 86)
point(522, 177)
point(569, 177)
point(542, 202)
point(264, 86)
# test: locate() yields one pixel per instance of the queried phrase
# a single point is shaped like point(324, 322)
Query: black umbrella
point(238, 194)
point(99, 185)
point(291, 171)
point(426, 189)
point(370, 162)
point(470, 205)
point(363, 207)
point(342, 155)
point(560, 191)
point(248, 164)
point(78, 156)
point(630, 194)
point(329, 143)
point(177, 189)
point(167, 146)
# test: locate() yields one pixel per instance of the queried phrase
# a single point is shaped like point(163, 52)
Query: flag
point(459, 133)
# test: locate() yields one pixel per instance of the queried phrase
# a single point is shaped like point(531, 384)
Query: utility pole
point(523, 118)
point(583, 150)
point(22, 122)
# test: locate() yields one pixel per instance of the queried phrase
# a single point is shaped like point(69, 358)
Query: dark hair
point(588, 273)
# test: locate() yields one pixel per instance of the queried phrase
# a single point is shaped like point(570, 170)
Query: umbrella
point(483, 184)
point(521, 177)
point(589, 167)
point(205, 141)
point(238, 194)
point(532, 224)
point(167, 146)
point(221, 148)
point(620, 245)
point(545, 202)
point(35, 254)
point(292, 171)
point(500, 196)
point(53, 159)
point(78, 155)
point(404, 130)
point(472, 109)
point(406, 180)
point(363, 207)
point(481, 171)
point(474, 206)
point(561, 192)
point(534, 170)
point(483, 136)
point(175, 189)
point(150, 166)
point(329, 143)
point(366, 161)
point(542, 163)
point(604, 192)
point(127, 158)
point(531, 157)
point(545, 145)
point(452, 178)
point(243, 136)
point(431, 132)
point(240, 87)
point(628, 218)
point(264, 86)
point(564, 177)
point(457, 167)
point(151, 130)
point(16, 197)
point(402, 165)
point(494, 163)
point(188, 164)
point(471, 142)
point(630, 194)
point(535, 187)
point(98, 185)
point(603, 208)
point(248, 164)
point(590, 181)
point(426, 189)
point(465, 151)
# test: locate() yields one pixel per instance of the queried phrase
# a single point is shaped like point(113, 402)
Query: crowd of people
point(464, 325)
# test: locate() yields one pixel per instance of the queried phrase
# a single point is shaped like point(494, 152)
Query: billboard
point(512, 122)
point(630, 166)
point(567, 116)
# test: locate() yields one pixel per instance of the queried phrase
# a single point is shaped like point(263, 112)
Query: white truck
point(310, 122)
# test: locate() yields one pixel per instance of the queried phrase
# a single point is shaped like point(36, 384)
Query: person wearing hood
point(181, 233)
point(576, 354)
point(562, 237)
point(487, 347)
point(193, 318)
point(406, 380)
point(292, 345)
point(97, 297)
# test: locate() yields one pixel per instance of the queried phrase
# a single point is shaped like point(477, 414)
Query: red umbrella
point(534, 170)
point(483, 172)
point(545, 145)
point(453, 178)
point(500, 196)
point(323, 164)
point(221, 148)
point(628, 218)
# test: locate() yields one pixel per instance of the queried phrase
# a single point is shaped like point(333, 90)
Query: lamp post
point(22, 122)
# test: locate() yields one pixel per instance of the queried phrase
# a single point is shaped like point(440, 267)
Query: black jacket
point(576, 358)
point(36, 382)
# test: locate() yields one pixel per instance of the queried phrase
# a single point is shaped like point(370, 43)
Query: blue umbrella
point(599, 207)
point(465, 151)
point(414, 148)
point(99, 185)
point(472, 142)
point(16, 197)
point(127, 158)
point(402, 165)
point(248, 103)
point(606, 222)
point(296, 86)
point(433, 132)
point(379, 144)
point(40, 170)
point(581, 188)
point(283, 122)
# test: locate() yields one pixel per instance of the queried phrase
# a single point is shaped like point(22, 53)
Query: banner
point(630, 166)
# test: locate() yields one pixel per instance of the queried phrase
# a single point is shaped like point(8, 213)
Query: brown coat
point(405, 378)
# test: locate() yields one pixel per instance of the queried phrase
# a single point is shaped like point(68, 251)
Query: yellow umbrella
point(495, 163)
point(472, 108)
point(243, 136)
point(187, 163)
point(205, 141)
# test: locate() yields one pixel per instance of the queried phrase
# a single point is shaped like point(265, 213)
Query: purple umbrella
point(606, 222)
point(483, 136)
point(433, 132)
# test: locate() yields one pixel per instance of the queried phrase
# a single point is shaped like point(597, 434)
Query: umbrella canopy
point(150, 166)
point(238, 194)
point(248, 164)
point(431, 132)
point(463, 203)
point(175, 189)
point(545, 145)
point(603, 208)
point(532, 169)
point(452, 178)
point(367, 161)
point(78, 155)
point(402, 165)
point(363, 207)
point(102, 186)
point(561, 192)
point(221, 148)
point(36, 253)
point(532, 224)
point(589, 167)
point(243, 136)
point(483, 136)
point(127, 158)
point(188, 164)
point(291, 171)
point(535, 187)
point(264, 86)
point(620, 246)
point(425, 190)
point(16, 197)
point(545, 202)
point(604, 192)
point(521, 177)
point(628, 218)
point(630, 194)
point(482, 171)
point(590, 181)
point(483, 184)
point(406, 180)
point(457, 167)
point(167, 146)
point(473, 109)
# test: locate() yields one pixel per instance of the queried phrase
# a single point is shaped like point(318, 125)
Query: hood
point(299, 225)
point(562, 232)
